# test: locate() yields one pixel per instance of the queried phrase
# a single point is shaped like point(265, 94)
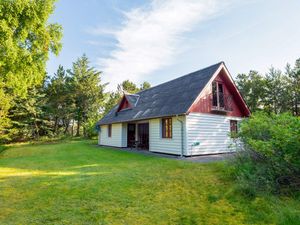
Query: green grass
point(76, 182)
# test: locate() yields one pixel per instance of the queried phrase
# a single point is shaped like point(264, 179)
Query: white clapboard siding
point(209, 134)
point(166, 145)
point(118, 135)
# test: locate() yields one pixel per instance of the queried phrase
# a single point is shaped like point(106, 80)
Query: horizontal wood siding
point(117, 136)
point(211, 132)
point(166, 145)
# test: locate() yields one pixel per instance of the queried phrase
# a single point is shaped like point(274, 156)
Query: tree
point(29, 116)
point(60, 102)
point(294, 86)
point(112, 99)
point(88, 93)
point(145, 85)
point(26, 38)
point(128, 86)
point(277, 97)
point(252, 87)
point(5, 122)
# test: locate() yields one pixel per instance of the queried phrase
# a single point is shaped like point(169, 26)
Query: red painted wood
point(124, 104)
point(239, 109)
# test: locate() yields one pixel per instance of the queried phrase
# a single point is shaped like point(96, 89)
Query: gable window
point(166, 125)
point(109, 130)
point(218, 94)
point(233, 128)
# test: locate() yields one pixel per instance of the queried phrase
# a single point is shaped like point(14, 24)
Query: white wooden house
point(191, 115)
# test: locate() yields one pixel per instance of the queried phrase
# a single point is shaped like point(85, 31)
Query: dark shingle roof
point(171, 98)
point(132, 99)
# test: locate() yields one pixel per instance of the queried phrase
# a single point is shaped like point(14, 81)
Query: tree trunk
point(66, 126)
point(55, 125)
point(78, 128)
point(73, 128)
point(296, 106)
point(37, 133)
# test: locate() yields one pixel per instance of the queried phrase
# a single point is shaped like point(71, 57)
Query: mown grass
point(76, 182)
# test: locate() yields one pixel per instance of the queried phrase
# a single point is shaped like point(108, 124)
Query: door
point(130, 135)
point(143, 135)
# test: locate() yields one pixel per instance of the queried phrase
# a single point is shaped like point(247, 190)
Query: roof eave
point(146, 118)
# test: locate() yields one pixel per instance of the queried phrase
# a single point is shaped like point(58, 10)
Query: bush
point(270, 160)
point(90, 129)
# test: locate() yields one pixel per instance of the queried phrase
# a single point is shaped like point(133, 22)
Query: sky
point(159, 40)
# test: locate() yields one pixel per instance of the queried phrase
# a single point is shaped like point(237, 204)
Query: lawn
point(77, 182)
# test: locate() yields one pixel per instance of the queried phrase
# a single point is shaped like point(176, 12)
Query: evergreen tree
point(277, 97)
point(29, 116)
point(145, 85)
point(128, 86)
point(252, 87)
point(60, 102)
point(294, 87)
point(88, 93)
point(112, 100)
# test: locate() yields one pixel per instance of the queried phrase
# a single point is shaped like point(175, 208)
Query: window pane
point(167, 127)
point(109, 130)
point(233, 127)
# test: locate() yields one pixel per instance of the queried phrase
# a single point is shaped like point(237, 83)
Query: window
point(218, 94)
point(233, 128)
point(166, 127)
point(109, 130)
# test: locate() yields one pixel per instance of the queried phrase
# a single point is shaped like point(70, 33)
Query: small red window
point(109, 130)
point(166, 127)
point(233, 127)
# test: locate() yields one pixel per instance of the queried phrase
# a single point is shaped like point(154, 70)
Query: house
point(191, 115)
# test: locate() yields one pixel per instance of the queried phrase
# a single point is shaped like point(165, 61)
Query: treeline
point(68, 103)
point(275, 92)
point(32, 104)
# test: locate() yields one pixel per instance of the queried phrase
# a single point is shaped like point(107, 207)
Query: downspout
point(182, 137)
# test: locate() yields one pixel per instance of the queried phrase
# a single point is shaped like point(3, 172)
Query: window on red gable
point(233, 128)
point(109, 130)
point(218, 94)
point(166, 125)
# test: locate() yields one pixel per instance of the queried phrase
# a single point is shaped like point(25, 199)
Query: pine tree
point(88, 93)
point(252, 88)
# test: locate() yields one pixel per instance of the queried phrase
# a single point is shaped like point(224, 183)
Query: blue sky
point(158, 40)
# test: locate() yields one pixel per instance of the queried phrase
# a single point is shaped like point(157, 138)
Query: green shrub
point(270, 160)
point(2, 148)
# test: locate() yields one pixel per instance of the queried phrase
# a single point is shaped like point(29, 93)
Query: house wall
point(118, 135)
point(211, 132)
point(167, 145)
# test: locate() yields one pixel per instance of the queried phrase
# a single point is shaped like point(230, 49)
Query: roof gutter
point(182, 137)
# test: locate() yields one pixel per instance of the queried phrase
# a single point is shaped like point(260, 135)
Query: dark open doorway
point(131, 135)
point(138, 135)
point(143, 135)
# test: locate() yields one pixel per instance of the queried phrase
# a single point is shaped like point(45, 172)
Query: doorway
point(131, 135)
point(143, 136)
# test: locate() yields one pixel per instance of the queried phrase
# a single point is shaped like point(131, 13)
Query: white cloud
point(151, 37)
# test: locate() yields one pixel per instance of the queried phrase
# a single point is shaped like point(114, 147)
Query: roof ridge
point(219, 63)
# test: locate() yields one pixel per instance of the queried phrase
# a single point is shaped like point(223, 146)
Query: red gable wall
point(204, 104)
point(124, 104)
